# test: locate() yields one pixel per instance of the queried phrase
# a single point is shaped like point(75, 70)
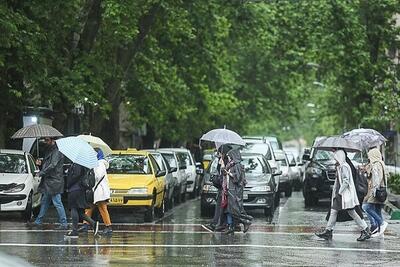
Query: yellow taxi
point(136, 181)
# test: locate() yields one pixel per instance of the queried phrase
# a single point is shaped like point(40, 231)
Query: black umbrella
point(36, 131)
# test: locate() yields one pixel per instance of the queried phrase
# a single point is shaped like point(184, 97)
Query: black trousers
point(77, 215)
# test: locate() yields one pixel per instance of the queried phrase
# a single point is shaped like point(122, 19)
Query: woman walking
point(101, 195)
point(344, 197)
point(77, 199)
point(371, 205)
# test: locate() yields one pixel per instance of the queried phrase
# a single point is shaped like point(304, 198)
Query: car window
point(156, 167)
point(31, 164)
point(13, 163)
point(322, 155)
point(253, 165)
point(170, 160)
point(259, 149)
point(184, 159)
point(159, 161)
point(291, 159)
point(267, 166)
point(128, 164)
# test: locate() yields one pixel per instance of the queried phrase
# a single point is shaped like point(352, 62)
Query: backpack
point(361, 184)
point(88, 180)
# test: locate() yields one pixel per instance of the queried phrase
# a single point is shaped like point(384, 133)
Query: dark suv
point(319, 176)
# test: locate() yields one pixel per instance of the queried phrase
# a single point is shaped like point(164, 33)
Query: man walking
point(52, 184)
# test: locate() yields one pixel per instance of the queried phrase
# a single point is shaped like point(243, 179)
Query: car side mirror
point(183, 167)
point(36, 172)
point(292, 165)
point(199, 171)
point(161, 173)
point(173, 169)
point(276, 173)
point(306, 157)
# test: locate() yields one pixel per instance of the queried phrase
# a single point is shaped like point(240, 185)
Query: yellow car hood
point(127, 181)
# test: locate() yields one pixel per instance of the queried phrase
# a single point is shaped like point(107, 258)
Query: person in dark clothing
point(77, 199)
point(52, 184)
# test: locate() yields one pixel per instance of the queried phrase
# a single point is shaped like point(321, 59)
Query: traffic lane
point(191, 245)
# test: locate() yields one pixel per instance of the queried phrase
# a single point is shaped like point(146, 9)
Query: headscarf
point(374, 155)
point(234, 155)
point(100, 154)
point(340, 156)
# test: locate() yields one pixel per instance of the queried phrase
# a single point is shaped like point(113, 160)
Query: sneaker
point(246, 225)
point(62, 227)
point(383, 227)
point(72, 234)
point(209, 227)
point(365, 234)
point(327, 234)
point(107, 231)
point(374, 229)
point(84, 228)
point(34, 225)
point(96, 228)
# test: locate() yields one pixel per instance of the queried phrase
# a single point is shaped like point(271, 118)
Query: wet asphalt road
point(179, 239)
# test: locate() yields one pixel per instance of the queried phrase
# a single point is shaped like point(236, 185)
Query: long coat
point(344, 181)
point(377, 175)
point(235, 182)
point(52, 181)
point(102, 192)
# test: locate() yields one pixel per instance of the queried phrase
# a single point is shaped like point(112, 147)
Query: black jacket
point(52, 173)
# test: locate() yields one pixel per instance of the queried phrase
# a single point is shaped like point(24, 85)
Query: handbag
point(381, 192)
point(89, 193)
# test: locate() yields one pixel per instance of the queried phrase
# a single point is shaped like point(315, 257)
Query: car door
point(35, 181)
point(160, 181)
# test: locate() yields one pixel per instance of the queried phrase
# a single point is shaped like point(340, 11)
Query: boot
point(230, 230)
point(327, 234)
point(365, 234)
point(246, 225)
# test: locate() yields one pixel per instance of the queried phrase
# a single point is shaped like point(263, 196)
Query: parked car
point(136, 182)
point(171, 182)
point(286, 179)
point(275, 143)
point(194, 177)
point(19, 183)
point(295, 171)
point(319, 175)
point(179, 175)
point(207, 157)
point(260, 192)
point(264, 148)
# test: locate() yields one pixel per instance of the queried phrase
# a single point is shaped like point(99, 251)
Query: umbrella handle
point(37, 147)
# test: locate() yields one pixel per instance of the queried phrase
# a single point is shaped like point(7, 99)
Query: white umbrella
point(337, 142)
point(223, 136)
point(365, 137)
point(96, 142)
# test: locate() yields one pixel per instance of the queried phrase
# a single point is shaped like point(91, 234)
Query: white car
point(18, 183)
point(193, 178)
point(296, 170)
point(179, 174)
point(286, 179)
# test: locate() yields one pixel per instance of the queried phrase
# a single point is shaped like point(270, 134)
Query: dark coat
point(76, 193)
point(235, 186)
point(52, 181)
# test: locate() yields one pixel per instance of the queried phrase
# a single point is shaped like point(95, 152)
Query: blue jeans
point(374, 213)
point(229, 219)
point(45, 204)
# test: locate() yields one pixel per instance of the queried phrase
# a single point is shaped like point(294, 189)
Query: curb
point(392, 210)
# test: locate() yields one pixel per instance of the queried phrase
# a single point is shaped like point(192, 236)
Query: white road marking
point(200, 246)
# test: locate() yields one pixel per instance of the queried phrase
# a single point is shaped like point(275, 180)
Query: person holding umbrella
point(52, 184)
point(344, 197)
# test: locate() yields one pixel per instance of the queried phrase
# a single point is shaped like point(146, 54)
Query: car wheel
point(149, 214)
point(310, 200)
point(269, 212)
point(277, 198)
point(288, 191)
point(166, 200)
point(205, 211)
point(177, 195)
point(160, 210)
point(27, 213)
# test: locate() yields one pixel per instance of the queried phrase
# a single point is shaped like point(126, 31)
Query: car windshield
point(291, 159)
point(12, 163)
point(358, 157)
point(322, 155)
point(128, 164)
point(253, 165)
point(170, 160)
point(259, 149)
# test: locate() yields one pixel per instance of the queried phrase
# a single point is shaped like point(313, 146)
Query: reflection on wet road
point(179, 239)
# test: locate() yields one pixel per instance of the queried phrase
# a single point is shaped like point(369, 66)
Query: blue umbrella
point(78, 151)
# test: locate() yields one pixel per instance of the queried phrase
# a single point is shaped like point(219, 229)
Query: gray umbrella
point(36, 131)
point(337, 142)
point(367, 138)
point(223, 136)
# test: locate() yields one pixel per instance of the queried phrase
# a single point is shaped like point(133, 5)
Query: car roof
point(130, 151)
point(249, 154)
point(175, 149)
point(12, 151)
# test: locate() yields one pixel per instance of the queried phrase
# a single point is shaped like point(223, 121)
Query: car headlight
point(15, 189)
point(209, 188)
point(316, 171)
point(261, 188)
point(138, 190)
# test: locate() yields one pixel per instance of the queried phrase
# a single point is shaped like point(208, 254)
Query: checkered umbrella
point(36, 131)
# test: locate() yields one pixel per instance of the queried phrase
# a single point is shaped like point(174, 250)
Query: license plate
point(245, 196)
point(117, 200)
